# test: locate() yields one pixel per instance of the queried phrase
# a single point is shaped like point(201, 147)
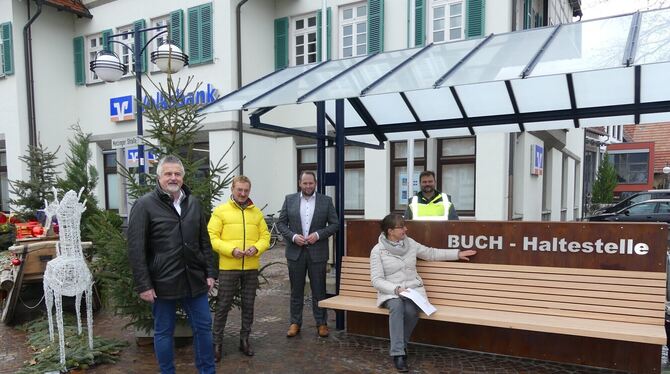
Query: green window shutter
point(200, 33)
point(79, 61)
point(138, 25)
point(105, 38)
point(329, 27)
point(375, 26)
point(419, 23)
point(206, 33)
point(475, 22)
point(281, 43)
point(7, 48)
point(194, 48)
point(318, 34)
point(176, 32)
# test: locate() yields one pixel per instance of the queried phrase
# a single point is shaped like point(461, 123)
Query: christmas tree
point(606, 181)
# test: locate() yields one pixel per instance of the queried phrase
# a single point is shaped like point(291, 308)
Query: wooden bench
point(616, 305)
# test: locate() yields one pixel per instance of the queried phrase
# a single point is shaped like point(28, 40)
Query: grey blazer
point(324, 222)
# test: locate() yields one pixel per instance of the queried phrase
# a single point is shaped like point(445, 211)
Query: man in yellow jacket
point(239, 234)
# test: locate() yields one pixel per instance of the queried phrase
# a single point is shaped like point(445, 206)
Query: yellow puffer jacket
point(232, 227)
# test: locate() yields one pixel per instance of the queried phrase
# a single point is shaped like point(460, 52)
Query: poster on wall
point(402, 183)
point(537, 159)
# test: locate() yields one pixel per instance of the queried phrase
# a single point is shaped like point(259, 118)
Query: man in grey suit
point(307, 219)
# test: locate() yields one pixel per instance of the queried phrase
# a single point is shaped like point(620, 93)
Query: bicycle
point(275, 236)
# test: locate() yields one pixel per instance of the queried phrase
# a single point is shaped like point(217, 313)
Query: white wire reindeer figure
point(68, 274)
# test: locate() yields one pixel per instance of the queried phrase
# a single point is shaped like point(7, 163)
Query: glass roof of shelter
point(578, 73)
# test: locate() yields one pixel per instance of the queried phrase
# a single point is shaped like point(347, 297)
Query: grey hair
point(168, 159)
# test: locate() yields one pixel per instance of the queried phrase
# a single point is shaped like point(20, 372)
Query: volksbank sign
point(122, 108)
point(534, 244)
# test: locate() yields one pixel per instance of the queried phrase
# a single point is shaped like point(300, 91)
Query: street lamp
point(108, 67)
point(666, 171)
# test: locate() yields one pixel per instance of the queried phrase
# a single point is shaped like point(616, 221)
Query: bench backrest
point(610, 295)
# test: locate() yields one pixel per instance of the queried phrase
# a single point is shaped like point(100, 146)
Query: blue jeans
point(197, 311)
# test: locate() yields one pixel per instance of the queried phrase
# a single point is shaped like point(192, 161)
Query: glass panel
point(354, 185)
point(610, 121)
point(604, 87)
point(299, 24)
point(458, 181)
point(387, 109)
point(311, 21)
point(352, 83)
point(308, 156)
point(551, 125)
point(438, 36)
point(455, 21)
point(351, 118)
point(361, 49)
point(348, 13)
point(454, 34)
point(347, 30)
point(426, 68)
point(360, 38)
point(553, 90)
point(644, 208)
point(458, 147)
point(245, 94)
point(347, 52)
point(589, 45)
point(110, 160)
point(311, 37)
point(369, 139)
point(494, 94)
point(311, 58)
point(438, 12)
point(300, 39)
point(4, 191)
point(361, 27)
point(405, 135)
point(354, 154)
point(631, 167)
point(424, 101)
point(311, 47)
point(455, 9)
point(449, 132)
point(347, 40)
point(513, 127)
point(300, 50)
point(292, 91)
point(362, 11)
point(300, 60)
point(663, 207)
point(438, 24)
point(503, 57)
point(400, 194)
point(654, 83)
point(653, 39)
point(113, 193)
point(400, 150)
point(3, 159)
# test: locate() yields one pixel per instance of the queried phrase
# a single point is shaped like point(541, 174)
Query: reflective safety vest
point(433, 211)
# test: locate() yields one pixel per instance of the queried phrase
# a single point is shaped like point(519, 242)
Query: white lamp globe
point(666, 169)
point(108, 67)
point(169, 58)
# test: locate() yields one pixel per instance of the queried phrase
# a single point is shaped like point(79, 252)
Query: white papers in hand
point(419, 300)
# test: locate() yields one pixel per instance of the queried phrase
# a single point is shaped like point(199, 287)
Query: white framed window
point(93, 46)
point(303, 39)
point(445, 20)
point(156, 22)
point(354, 30)
point(126, 54)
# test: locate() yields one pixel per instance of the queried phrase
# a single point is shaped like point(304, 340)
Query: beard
point(172, 188)
point(305, 193)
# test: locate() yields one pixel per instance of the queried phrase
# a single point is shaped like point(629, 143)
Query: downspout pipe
point(240, 125)
point(30, 84)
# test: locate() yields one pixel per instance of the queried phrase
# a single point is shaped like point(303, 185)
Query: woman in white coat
point(393, 270)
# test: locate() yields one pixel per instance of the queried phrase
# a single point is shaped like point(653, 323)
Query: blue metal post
point(339, 195)
point(321, 146)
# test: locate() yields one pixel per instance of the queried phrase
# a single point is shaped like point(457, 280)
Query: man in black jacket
point(171, 259)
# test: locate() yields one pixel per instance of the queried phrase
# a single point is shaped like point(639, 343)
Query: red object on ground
point(37, 231)
point(28, 230)
point(16, 261)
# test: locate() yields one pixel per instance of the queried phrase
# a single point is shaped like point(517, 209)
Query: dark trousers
point(403, 316)
point(317, 281)
point(228, 285)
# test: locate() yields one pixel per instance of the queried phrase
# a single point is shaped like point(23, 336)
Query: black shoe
point(245, 347)
point(218, 352)
point(400, 364)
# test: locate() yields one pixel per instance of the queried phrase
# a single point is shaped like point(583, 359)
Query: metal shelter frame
point(613, 70)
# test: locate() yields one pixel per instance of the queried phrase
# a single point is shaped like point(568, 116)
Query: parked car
point(656, 210)
point(636, 198)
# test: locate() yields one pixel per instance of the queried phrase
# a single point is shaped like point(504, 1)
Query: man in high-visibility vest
point(430, 204)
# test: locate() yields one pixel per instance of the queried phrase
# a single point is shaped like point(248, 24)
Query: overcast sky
point(605, 8)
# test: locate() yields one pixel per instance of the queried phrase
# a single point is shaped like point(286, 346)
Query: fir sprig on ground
point(46, 356)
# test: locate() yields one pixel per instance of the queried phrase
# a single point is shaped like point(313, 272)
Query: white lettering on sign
point(623, 247)
point(475, 242)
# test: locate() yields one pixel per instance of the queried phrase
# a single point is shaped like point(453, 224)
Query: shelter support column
point(491, 165)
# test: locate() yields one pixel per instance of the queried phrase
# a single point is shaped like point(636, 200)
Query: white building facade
point(490, 176)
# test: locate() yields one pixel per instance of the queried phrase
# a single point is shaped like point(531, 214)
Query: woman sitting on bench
point(393, 270)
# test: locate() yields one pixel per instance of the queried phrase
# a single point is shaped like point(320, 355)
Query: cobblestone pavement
point(306, 353)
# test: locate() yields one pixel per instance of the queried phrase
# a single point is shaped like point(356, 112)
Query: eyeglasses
point(399, 227)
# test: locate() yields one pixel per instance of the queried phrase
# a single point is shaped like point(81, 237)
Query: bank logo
point(537, 159)
point(121, 108)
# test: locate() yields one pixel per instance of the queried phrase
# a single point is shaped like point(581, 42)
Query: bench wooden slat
point(534, 283)
point(452, 293)
point(650, 334)
point(365, 263)
point(624, 297)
